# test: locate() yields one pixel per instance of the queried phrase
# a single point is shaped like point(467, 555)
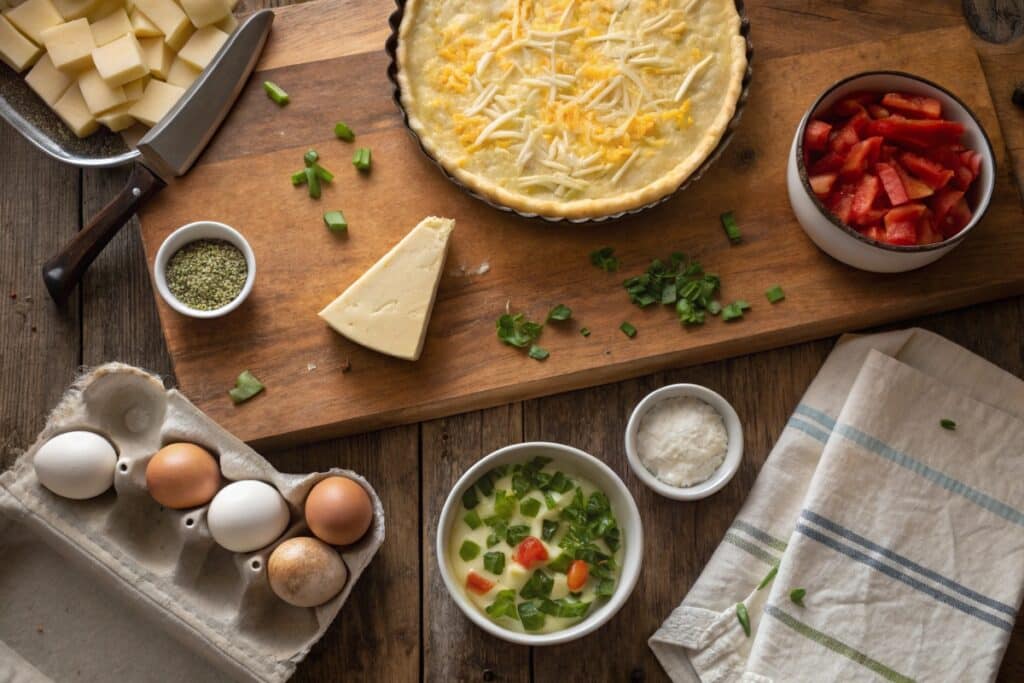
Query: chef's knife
point(168, 150)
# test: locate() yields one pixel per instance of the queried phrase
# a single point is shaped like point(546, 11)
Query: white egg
point(76, 465)
point(247, 515)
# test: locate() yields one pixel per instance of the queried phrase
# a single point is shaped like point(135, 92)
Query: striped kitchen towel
point(905, 536)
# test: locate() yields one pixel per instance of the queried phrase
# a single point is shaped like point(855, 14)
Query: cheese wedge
point(47, 80)
point(17, 51)
point(388, 308)
point(33, 17)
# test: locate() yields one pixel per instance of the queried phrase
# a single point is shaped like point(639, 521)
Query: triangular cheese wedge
point(388, 308)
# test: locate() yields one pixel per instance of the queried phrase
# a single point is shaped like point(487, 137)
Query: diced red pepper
point(859, 122)
point(963, 178)
point(928, 171)
point(864, 199)
point(892, 183)
point(943, 202)
point(863, 153)
point(816, 135)
point(915, 106)
point(822, 184)
point(972, 160)
point(901, 224)
point(531, 551)
point(841, 206)
point(927, 232)
point(877, 111)
point(847, 107)
point(830, 163)
point(917, 132)
point(874, 232)
point(843, 139)
point(914, 187)
point(477, 583)
point(577, 575)
point(957, 218)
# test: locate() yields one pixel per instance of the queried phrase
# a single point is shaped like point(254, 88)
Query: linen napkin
point(907, 537)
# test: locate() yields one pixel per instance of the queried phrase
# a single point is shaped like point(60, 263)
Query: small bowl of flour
point(684, 441)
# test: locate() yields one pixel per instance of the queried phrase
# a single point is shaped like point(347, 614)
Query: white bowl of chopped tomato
point(888, 172)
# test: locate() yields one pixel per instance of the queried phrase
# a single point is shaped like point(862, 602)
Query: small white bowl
point(202, 230)
point(842, 242)
point(571, 461)
point(725, 471)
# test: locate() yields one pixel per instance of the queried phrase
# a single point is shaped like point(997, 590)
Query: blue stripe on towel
point(815, 414)
point(808, 429)
point(853, 536)
point(894, 573)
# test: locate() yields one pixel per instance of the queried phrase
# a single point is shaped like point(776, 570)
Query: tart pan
point(391, 47)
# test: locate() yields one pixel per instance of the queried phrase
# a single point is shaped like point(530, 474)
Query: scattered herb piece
point(606, 588)
point(275, 93)
point(299, 178)
point(564, 608)
point(493, 540)
point(734, 311)
point(323, 173)
point(469, 499)
point(538, 353)
point(732, 231)
point(585, 331)
point(771, 575)
point(775, 294)
point(628, 329)
point(548, 529)
point(797, 596)
point(605, 259)
point(538, 586)
point(361, 159)
point(343, 132)
point(530, 507)
point(515, 534)
point(469, 550)
point(560, 312)
point(504, 505)
point(310, 157)
point(472, 519)
point(516, 330)
point(531, 616)
point(714, 308)
point(504, 605)
point(246, 386)
point(494, 562)
point(948, 424)
point(561, 563)
point(335, 221)
point(313, 181)
point(743, 617)
point(680, 282)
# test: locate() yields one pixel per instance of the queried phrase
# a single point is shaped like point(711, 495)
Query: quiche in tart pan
point(570, 109)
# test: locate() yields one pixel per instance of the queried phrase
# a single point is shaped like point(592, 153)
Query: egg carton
point(118, 587)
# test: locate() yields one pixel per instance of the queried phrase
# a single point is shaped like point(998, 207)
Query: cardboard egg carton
point(118, 587)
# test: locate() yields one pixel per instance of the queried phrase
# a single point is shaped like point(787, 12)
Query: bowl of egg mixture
point(684, 441)
point(540, 543)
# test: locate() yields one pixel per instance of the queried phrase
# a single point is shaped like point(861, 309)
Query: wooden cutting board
point(329, 56)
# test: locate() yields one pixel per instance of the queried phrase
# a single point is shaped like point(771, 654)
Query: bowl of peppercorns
point(204, 269)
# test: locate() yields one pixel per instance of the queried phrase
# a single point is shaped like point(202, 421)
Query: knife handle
point(65, 269)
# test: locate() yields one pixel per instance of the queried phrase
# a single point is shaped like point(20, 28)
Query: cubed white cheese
point(70, 45)
point(205, 12)
point(121, 60)
point(74, 9)
point(156, 101)
point(228, 24)
point(182, 74)
point(33, 17)
point(17, 51)
point(103, 9)
point(202, 46)
point(111, 27)
point(118, 118)
point(133, 89)
point(72, 110)
point(48, 81)
point(144, 28)
point(157, 55)
point(98, 94)
point(168, 17)
point(388, 308)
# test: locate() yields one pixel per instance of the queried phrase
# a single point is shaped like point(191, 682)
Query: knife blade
point(168, 150)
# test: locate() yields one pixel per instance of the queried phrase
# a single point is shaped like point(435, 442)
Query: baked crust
point(591, 207)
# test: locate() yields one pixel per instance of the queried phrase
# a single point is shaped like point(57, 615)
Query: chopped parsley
point(538, 353)
point(605, 259)
point(472, 520)
point(628, 329)
point(494, 562)
point(529, 507)
point(560, 312)
point(504, 605)
point(585, 331)
point(538, 586)
point(732, 231)
point(516, 330)
point(681, 282)
point(775, 295)
point(469, 550)
point(744, 617)
point(797, 596)
point(531, 616)
point(548, 529)
point(564, 608)
point(946, 423)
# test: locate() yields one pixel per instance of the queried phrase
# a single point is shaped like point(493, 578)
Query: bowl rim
point(721, 476)
point(632, 557)
point(178, 239)
point(988, 151)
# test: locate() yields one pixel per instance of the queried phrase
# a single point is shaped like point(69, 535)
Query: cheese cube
point(182, 74)
point(98, 94)
point(228, 24)
point(111, 27)
point(133, 89)
point(144, 28)
point(156, 102)
point(205, 12)
point(47, 80)
point(176, 41)
point(72, 110)
point(202, 46)
point(157, 55)
point(17, 51)
point(74, 9)
point(70, 45)
point(168, 17)
point(103, 9)
point(33, 17)
point(118, 118)
point(120, 61)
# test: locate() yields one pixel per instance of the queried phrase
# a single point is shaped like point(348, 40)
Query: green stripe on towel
point(749, 548)
point(836, 646)
point(760, 535)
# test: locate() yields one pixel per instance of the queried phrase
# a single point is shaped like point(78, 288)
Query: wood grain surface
point(400, 624)
point(242, 180)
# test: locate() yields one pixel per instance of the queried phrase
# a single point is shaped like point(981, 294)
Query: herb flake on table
point(768, 578)
point(560, 312)
point(797, 596)
point(680, 282)
point(361, 159)
point(946, 423)
point(335, 221)
point(734, 311)
point(628, 329)
point(605, 259)
point(516, 330)
point(343, 132)
point(276, 93)
point(743, 617)
point(775, 294)
point(732, 230)
point(585, 331)
point(538, 353)
point(246, 386)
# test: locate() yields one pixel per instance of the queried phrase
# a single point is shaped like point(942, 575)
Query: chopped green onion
point(585, 331)
point(472, 519)
point(310, 157)
point(771, 575)
point(797, 596)
point(714, 308)
point(732, 231)
point(299, 178)
point(494, 562)
point(775, 294)
point(538, 353)
point(275, 93)
point(313, 181)
point(743, 617)
point(734, 311)
point(324, 174)
point(469, 550)
point(246, 386)
point(628, 330)
point(343, 132)
point(561, 563)
point(529, 507)
point(560, 312)
point(361, 159)
point(605, 259)
point(335, 221)
point(947, 424)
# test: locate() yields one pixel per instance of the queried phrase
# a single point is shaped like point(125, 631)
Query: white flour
point(682, 441)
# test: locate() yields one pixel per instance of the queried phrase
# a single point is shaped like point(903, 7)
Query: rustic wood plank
point(454, 649)
point(39, 344)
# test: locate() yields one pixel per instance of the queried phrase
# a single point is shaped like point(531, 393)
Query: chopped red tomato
point(892, 183)
point(927, 231)
point(874, 232)
point(944, 201)
point(957, 219)
point(901, 224)
point(847, 107)
point(841, 205)
point(864, 199)
point(917, 132)
point(530, 552)
point(915, 188)
point(822, 184)
point(577, 575)
point(830, 163)
point(863, 153)
point(972, 160)
point(843, 139)
point(477, 583)
point(914, 106)
point(816, 135)
point(930, 172)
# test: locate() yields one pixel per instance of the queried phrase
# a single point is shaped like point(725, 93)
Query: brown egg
point(306, 572)
point(182, 475)
point(338, 511)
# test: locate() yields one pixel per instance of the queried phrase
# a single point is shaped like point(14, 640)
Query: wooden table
point(400, 624)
